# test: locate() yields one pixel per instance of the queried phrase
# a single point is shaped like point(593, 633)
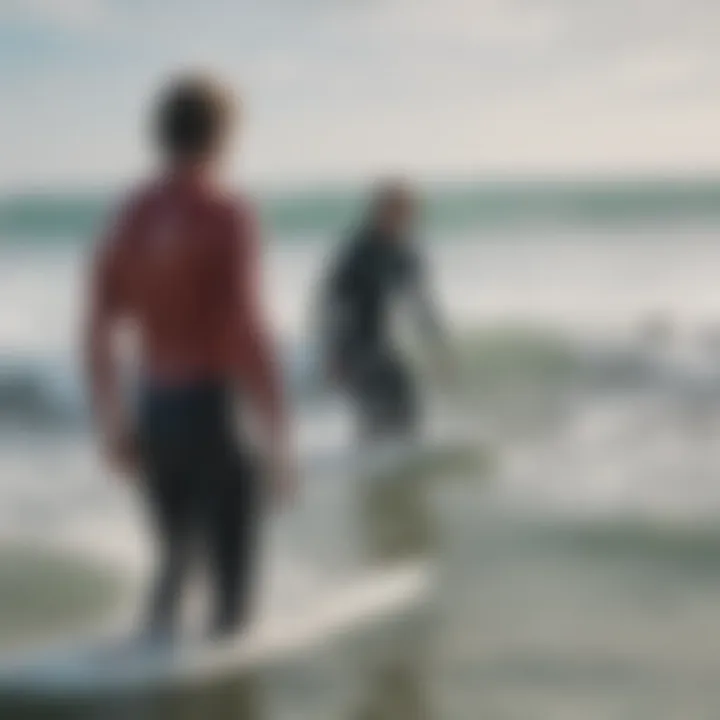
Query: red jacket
point(181, 263)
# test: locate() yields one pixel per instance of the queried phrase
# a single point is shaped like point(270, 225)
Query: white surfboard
point(433, 455)
point(109, 666)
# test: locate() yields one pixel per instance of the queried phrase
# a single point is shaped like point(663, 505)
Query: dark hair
point(192, 118)
point(389, 193)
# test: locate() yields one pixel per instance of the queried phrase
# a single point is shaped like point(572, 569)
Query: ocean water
point(579, 566)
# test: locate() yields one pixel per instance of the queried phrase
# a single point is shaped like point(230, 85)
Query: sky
point(347, 89)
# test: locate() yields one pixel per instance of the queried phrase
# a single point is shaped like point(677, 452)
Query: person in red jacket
point(180, 268)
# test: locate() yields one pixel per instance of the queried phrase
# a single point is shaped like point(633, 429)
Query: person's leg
point(391, 393)
point(369, 393)
point(232, 526)
point(403, 408)
point(171, 450)
point(171, 507)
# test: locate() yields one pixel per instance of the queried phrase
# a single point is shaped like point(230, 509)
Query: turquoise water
point(451, 207)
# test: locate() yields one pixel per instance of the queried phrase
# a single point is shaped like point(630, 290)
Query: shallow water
point(579, 570)
point(563, 608)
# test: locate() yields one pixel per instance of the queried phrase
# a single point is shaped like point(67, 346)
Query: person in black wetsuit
point(380, 266)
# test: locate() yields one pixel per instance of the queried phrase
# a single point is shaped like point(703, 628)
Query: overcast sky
point(348, 88)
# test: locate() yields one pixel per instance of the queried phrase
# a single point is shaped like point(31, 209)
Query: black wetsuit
point(371, 275)
point(203, 493)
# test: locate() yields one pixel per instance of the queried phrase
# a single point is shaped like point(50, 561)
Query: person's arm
point(429, 318)
point(258, 363)
point(424, 303)
point(104, 304)
point(333, 314)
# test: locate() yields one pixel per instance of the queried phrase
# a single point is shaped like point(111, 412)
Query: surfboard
point(117, 665)
point(427, 457)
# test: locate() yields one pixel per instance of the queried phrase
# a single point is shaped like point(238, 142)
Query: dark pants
point(203, 496)
point(383, 390)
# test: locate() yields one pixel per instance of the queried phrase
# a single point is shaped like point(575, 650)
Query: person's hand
point(120, 449)
point(283, 478)
point(335, 371)
point(334, 375)
point(447, 369)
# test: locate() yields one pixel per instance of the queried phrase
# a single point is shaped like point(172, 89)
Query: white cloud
point(63, 14)
point(490, 22)
point(427, 85)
